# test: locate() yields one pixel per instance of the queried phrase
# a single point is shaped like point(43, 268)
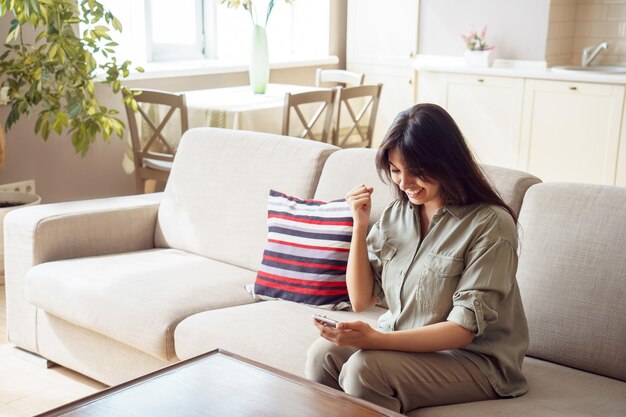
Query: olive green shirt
point(463, 271)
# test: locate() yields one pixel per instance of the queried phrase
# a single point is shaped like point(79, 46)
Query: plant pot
point(478, 58)
point(259, 70)
point(18, 200)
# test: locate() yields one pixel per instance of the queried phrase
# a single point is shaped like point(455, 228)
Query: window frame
point(160, 52)
point(144, 52)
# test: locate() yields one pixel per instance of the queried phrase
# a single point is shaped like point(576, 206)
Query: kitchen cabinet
point(487, 109)
point(381, 43)
point(555, 129)
point(571, 131)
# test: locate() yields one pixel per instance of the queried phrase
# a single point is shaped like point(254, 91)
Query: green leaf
point(34, 5)
point(101, 30)
point(117, 25)
point(53, 51)
point(13, 31)
point(74, 109)
point(45, 129)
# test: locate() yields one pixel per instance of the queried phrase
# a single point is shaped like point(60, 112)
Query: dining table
point(227, 107)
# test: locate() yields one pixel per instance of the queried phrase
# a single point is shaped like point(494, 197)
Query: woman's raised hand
point(360, 201)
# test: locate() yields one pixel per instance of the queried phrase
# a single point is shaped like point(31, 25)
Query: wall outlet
point(27, 186)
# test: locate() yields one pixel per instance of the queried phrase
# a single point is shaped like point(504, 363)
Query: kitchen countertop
point(507, 68)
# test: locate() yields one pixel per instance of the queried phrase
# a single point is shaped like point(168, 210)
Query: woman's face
point(418, 191)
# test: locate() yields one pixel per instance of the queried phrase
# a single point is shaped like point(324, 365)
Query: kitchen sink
point(601, 69)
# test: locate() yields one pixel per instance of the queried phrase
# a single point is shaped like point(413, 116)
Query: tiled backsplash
point(575, 24)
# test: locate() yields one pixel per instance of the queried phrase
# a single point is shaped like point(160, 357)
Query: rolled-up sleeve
point(486, 281)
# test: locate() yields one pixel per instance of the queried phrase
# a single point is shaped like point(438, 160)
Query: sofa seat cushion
point(554, 390)
point(136, 298)
point(276, 333)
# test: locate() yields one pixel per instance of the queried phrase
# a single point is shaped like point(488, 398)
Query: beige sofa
point(115, 288)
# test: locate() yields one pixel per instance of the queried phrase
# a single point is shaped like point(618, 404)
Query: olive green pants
point(399, 381)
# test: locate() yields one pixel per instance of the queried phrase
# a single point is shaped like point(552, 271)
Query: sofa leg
point(33, 358)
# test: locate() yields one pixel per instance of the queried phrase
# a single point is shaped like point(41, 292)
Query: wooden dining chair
point(339, 77)
point(355, 130)
point(303, 103)
point(153, 154)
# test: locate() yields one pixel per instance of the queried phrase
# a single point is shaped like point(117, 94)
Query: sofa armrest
point(51, 232)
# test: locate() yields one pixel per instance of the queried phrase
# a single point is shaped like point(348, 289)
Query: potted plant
point(48, 72)
point(49, 68)
point(477, 50)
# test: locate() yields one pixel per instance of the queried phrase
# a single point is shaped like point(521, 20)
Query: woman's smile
point(413, 194)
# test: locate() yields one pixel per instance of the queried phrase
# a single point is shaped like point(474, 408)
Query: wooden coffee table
point(219, 383)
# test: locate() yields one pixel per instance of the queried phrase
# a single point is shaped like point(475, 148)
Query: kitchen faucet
point(591, 52)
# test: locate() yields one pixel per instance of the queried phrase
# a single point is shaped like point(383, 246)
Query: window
point(174, 32)
point(160, 30)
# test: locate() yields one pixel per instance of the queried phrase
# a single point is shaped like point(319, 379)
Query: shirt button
point(476, 303)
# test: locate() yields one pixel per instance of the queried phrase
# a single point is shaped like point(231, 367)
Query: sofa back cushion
point(348, 168)
point(572, 275)
point(511, 184)
point(215, 201)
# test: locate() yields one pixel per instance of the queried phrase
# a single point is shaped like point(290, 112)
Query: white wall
point(517, 28)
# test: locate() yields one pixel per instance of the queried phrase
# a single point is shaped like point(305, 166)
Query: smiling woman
point(155, 30)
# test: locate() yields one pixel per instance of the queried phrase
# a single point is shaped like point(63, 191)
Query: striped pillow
point(306, 253)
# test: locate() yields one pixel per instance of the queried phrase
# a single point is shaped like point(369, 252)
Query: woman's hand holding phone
point(325, 321)
point(357, 334)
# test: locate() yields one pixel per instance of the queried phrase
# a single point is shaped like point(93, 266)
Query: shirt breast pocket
point(438, 282)
point(387, 253)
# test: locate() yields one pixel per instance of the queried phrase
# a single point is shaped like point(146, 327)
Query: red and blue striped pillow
point(306, 253)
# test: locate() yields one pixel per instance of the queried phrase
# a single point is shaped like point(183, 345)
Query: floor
point(27, 389)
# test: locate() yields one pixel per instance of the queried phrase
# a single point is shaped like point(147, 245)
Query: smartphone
point(325, 321)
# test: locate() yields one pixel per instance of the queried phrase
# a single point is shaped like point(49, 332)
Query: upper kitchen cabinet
point(381, 43)
point(571, 131)
point(487, 109)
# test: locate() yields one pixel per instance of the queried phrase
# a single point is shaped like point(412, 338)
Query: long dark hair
point(432, 147)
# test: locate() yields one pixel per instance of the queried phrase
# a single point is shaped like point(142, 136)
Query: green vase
point(259, 63)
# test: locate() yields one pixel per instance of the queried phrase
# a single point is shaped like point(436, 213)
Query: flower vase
point(478, 58)
point(259, 70)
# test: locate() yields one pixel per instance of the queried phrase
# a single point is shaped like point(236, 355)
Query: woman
point(442, 258)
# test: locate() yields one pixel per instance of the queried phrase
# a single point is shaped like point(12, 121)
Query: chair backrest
point(301, 104)
point(340, 77)
point(358, 102)
point(152, 152)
